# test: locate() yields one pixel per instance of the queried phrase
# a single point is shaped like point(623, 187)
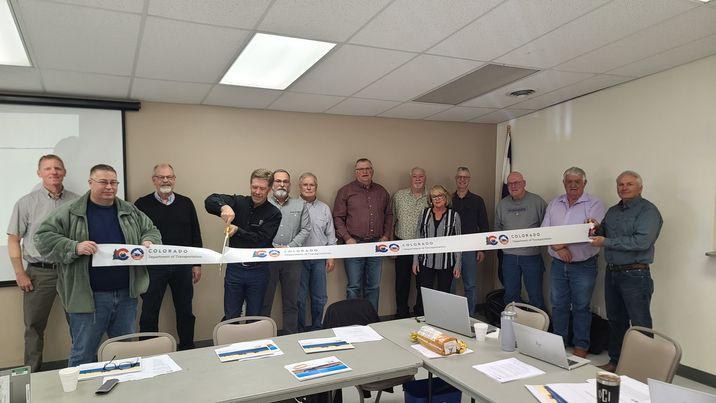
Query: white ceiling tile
point(671, 58)
point(510, 25)
point(414, 110)
point(328, 20)
point(563, 94)
point(184, 51)
point(687, 27)
point(418, 76)
point(81, 39)
point(230, 13)
point(502, 115)
point(349, 69)
point(297, 102)
point(241, 97)
point(169, 91)
point(416, 25)
point(601, 26)
point(461, 114)
point(96, 85)
point(129, 6)
point(542, 82)
point(23, 79)
point(362, 107)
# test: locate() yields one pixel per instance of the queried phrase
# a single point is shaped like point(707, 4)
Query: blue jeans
point(515, 269)
point(628, 297)
point(244, 283)
point(469, 279)
point(571, 286)
point(115, 313)
point(363, 274)
point(313, 280)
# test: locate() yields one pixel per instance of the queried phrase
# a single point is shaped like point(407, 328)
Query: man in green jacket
point(98, 300)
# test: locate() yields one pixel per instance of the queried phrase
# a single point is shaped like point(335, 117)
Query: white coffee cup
point(480, 331)
point(68, 377)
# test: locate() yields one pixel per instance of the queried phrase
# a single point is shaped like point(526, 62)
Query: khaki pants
point(36, 306)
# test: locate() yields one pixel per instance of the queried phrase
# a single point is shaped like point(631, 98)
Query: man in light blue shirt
point(574, 266)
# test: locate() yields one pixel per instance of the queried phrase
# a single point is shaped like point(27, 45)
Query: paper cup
point(68, 377)
point(480, 331)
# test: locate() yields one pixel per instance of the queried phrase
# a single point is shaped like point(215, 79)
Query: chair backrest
point(350, 312)
point(245, 328)
point(529, 315)
point(119, 347)
point(644, 356)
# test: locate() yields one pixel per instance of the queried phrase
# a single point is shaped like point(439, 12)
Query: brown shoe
point(609, 367)
point(580, 352)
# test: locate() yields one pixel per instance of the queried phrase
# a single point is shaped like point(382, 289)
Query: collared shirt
point(28, 214)
point(473, 213)
point(407, 210)
point(559, 212)
point(527, 212)
point(257, 224)
point(322, 231)
point(295, 222)
point(167, 202)
point(363, 212)
point(631, 230)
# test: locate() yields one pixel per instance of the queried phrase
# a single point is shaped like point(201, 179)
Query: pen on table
point(554, 395)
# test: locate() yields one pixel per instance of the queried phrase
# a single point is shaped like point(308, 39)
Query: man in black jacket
point(176, 218)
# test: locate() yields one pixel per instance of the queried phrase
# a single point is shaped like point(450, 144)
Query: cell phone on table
point(107, 386)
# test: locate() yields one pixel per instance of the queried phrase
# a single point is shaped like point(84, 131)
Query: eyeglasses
point(164, 177)
point(105, 182)
point(515, 183)
point(111, 365)
point(462, 177)
point(364, 169)
point(286, 181)
point(437, 197)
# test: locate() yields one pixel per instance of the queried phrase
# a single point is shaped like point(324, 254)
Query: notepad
point(508, 370)
point(248, 350)
point(110, 368)
point(317, 368)
point(324, 344)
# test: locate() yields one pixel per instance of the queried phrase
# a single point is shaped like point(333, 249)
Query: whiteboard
point(81, 137)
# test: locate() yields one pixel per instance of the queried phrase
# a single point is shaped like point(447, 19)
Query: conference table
point(204, 378)
point(458, 371)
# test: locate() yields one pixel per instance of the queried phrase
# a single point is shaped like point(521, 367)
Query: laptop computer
point(545, 346)
point(662, 392)
point(448, 311)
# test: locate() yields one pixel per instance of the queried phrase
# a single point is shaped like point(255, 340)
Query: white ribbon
point(138, 255)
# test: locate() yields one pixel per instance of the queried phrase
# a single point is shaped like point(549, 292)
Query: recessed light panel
point(12, 50)
point(274, 62)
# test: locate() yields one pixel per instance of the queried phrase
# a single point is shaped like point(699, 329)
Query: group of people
point(60, 232)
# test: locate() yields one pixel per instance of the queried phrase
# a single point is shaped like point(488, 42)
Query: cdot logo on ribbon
point(491, 240)
point(120, 254)
point(382, 248)
point(137, 254)
point(274, 253)
point(394, 247)
point(260, 253)
point(503, 239)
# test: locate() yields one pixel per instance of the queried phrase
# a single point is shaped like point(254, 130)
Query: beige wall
point(214, 149)
point(663, 126)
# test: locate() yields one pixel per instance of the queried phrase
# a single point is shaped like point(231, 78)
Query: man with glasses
point(473, 218)
point(175, 217)
point(519, 210)
point(292, 232)
point(98, 300)
point(362, 213)
point(408, 206)
point(39, 282)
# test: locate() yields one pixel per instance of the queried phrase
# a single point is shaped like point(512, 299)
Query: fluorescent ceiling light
point(12, 50)
point(274, 62)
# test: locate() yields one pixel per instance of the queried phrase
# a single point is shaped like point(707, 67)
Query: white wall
point(664, 127)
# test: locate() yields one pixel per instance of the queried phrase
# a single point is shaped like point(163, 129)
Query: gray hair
point(307, 175)
point(464, 169)
point(575, 171)
point(281, 170)
point(162, 165)
point(631, 173)
point(413, 169)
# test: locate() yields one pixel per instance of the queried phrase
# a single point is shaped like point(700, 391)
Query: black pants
point(403, 277)
point(426, 278)
point(179, 278)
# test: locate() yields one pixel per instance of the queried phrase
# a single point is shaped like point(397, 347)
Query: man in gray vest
point(520, 210)
point(39, 281)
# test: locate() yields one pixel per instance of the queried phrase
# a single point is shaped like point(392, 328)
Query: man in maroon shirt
point(362, 213)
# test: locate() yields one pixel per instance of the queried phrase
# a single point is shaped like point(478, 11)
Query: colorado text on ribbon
point(137, 255)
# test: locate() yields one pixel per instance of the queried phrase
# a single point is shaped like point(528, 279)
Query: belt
point(627, 267)
point(365, 240)
point(44, 265)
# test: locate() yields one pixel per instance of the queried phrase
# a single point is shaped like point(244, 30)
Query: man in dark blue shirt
point(253, 223)
point(628, 233)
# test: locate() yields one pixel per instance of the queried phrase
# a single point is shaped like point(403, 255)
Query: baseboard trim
point(697, 375)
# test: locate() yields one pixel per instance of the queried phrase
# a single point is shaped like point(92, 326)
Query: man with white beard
point(175, 217)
